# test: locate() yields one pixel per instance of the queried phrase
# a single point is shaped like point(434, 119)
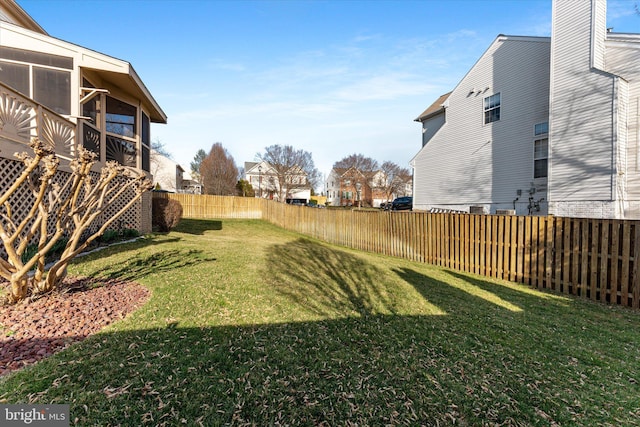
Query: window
point(146, 143)
point(16, 76)
point(540, 157)
point(121, 118)
point(53, 89)
point(91, 107)
point(492, 108)
point(541, 128)
point(40, 76)
point(32, 57)
point(120, 150)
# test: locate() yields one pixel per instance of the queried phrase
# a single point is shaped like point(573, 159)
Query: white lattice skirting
point(137, 217)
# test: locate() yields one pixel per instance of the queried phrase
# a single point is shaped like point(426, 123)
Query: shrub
point(31, 250)
point(52, 254)
point(109, 236)
point(130, 233)
point(58, 247)
point(166, 214)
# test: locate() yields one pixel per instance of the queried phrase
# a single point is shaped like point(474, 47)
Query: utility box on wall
point(478, 210)
point(505, 211)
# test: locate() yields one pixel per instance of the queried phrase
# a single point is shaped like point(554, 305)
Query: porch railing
point(21, 118)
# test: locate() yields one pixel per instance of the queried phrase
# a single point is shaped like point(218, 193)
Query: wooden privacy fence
point(208, 207)
point(596, 259)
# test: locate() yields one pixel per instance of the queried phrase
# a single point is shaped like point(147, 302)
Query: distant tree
point(195, 165)
point(365, 165)
point(219, 172)
point(395, 179)
point(359, 170)
point(159, 147)
point(244, 189)
point(288, 165)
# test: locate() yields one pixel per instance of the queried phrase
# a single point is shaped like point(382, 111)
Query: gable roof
point(114, 71)
point(436, 108)
point(11, 12)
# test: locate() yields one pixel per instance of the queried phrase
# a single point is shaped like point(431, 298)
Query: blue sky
point(330, 77)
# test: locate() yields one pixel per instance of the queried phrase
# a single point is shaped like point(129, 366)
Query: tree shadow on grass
point(327, 281)
point(521, 317)
point(518, 294)
point(152, 240)
point(198, 226)
point(144, 264)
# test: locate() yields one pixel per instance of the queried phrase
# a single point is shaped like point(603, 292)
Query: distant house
point(332, 188)
point(351, 187)
point(167, 174)
point(540, 125)
point(71, 96)
point(170, 176)
point(347, 187)
point(268, 183)
point(190, 185)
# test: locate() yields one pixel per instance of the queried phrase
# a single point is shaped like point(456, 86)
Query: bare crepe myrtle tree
point(70, 208)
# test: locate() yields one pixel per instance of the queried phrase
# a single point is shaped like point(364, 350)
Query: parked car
point(402, 204)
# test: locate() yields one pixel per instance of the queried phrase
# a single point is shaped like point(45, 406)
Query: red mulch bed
point(31, 331)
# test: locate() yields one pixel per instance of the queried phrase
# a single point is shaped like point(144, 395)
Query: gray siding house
point(540, 125)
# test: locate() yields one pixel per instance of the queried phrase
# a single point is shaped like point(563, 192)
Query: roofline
point(134, 75)
point(422, 117)
point(24, 19)
point(130, 71)
point(501, 37)
point(630, 40)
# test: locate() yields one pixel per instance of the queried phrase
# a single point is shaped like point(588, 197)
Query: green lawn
point(252, 325)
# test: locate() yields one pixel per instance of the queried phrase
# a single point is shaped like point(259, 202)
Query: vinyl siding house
point(71, 96)
point(341, 188)
point(263, 177)
point(170, 176)
point(332, 188)
point(167, 174)
point(540, 125)
point(348, 187)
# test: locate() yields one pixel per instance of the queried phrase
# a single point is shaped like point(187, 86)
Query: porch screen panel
point(90, 138)
point(146, 159)
point(91, 108)
point(146, 142)
point(16, 76)
point(52, 88)
point(120, 150)
point(121, 118)
point(33, 57)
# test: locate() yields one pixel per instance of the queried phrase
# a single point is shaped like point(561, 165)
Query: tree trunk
point(19, 289)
